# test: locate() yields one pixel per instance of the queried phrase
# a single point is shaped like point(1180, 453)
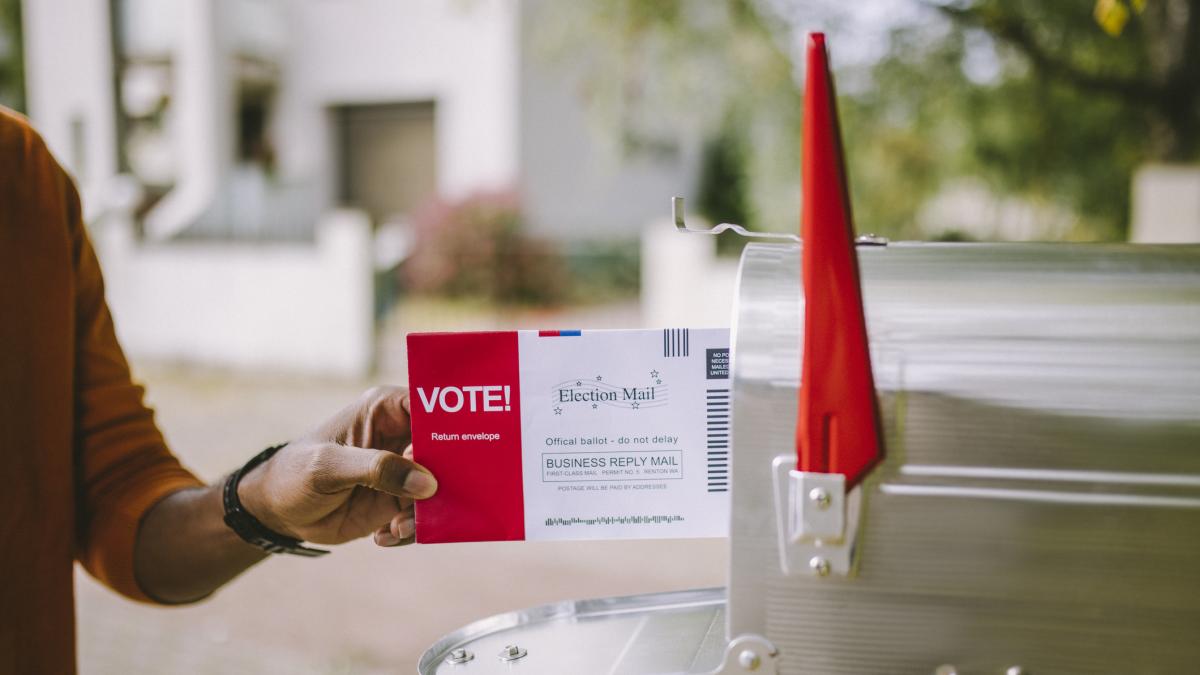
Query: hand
point(345, 479)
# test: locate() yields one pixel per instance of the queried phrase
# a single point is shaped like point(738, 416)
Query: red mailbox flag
point(838, 429)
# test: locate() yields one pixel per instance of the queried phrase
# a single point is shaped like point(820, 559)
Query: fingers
point(378, 419)
point(401, 530)
point(341, 467)
point(385, 418)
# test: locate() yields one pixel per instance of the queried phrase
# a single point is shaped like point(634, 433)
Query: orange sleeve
point(123, 465)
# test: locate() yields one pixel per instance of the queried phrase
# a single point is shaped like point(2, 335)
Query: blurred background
point(280, 190)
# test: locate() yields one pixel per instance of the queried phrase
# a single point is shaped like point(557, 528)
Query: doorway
point(387, 158)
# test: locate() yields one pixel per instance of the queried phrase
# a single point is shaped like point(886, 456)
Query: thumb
point(347, 466)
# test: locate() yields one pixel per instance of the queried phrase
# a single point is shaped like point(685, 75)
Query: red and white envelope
point(560, 435)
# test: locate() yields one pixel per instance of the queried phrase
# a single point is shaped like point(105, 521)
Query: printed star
point(578, 383)
point(599, 378)
point(594, 406)
point(654, 373)
point(557, 410)
point(658, 382)
point(636, 405)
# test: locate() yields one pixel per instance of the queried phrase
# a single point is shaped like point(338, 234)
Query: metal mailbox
point(1005, 478)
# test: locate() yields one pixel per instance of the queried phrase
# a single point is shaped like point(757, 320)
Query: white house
point(235, 152)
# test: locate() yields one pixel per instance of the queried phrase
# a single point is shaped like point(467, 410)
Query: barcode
point(615, 520)
point(675, 342)
point(716, 410)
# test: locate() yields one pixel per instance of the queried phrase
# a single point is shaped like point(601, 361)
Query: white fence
point(1166, 204)
point(292, 306)
point(684, 282)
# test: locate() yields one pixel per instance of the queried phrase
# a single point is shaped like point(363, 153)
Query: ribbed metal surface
point(679, 632)
point(1040, 502)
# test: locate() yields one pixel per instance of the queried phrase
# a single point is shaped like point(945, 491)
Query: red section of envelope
point(466, 424)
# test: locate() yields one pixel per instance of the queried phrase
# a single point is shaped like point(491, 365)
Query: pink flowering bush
point(477, 247)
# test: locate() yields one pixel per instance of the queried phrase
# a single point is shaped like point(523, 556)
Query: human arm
point(344, 480)
point(148, 528)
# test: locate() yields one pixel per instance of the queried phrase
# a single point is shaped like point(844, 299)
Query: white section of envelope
point(615, 434)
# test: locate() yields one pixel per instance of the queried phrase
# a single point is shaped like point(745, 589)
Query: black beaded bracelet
point(248, 527)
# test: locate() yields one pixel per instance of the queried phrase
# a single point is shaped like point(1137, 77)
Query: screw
point(820, 566)
point(748, 660)
point(1016, 670)
point(820, 497)
point(459, 656)
point(512, 653)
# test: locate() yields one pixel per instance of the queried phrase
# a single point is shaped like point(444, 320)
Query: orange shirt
point(80, 456)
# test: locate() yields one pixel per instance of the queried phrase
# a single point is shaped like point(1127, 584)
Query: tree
point(1060, 113)
point(721, 193)
point(927, 120)
point(1074, 110)
point(1152, 66)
